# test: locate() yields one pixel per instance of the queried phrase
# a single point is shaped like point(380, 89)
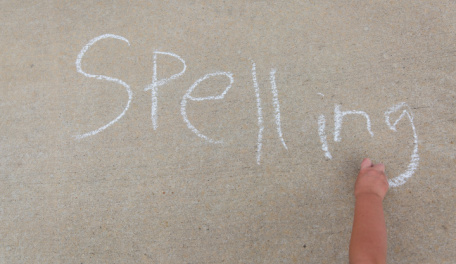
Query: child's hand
point(371, 180)
point(368, 243)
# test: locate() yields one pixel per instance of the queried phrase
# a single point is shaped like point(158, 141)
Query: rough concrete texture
point(132, 194)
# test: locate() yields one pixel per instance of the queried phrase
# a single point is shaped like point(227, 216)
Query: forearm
point(368, 241)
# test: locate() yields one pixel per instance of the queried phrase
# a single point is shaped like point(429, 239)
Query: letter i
point(322, 133)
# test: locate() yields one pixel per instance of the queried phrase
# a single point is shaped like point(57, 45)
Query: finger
point(366, 163)
point(380, 167)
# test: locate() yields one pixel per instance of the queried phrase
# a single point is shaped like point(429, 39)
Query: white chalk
point(188, 96)
point(321, 132)
point(156, 83)
point(259, 112)
point(338, 117)
point(415, 158)
point(275, 101)
point(102, 77)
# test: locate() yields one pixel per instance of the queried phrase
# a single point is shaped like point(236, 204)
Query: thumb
point(366, 163)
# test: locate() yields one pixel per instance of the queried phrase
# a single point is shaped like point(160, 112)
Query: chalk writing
point(188, 96)
point(321, 132)
point(156, 83)
point(275, 101)
point(413, 165)
point(338, 113)
point(102, 77)
point(260, 113)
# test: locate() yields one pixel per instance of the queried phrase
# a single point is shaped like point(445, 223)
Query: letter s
point(102, 77)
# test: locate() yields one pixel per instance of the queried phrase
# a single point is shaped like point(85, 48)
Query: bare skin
point(368, 239)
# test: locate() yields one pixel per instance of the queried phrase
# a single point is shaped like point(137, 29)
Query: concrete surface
point(132, 194)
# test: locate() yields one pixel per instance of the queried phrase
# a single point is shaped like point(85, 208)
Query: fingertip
point(366, 163)
point(380, 166)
